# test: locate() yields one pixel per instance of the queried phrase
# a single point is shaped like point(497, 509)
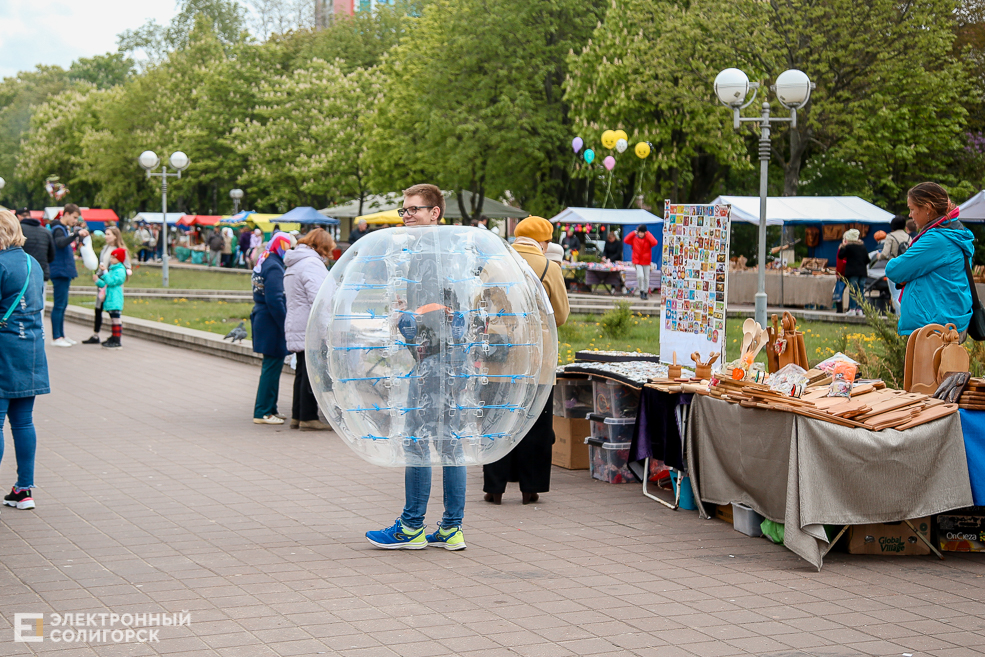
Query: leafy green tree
point(472, 99)
point(103, 71)
point(227, 19)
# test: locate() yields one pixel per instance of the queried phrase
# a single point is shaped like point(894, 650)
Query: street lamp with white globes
point(793, 90)
point(236, 195)
point(179, 162)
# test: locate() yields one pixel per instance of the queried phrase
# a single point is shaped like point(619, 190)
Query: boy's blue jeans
point(417, 485)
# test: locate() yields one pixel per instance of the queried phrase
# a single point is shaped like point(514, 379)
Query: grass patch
point(586, 332)
point(180, 279)
point(213, 316)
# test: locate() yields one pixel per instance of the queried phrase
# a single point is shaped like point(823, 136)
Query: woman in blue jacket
point(267, 320)
point(932, 269)
point(23, 365)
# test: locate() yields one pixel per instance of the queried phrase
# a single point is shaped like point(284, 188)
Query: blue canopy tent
point(308, 215)
point(608, 216)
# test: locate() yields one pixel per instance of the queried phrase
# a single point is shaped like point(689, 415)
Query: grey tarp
point(807, 473)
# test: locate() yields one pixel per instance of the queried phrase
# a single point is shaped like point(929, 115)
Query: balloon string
point(608, 187)
point(639, 183)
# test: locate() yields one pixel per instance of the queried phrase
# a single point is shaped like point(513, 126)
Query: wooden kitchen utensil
point(929, 415)
point(919, 374)
point(951, 357)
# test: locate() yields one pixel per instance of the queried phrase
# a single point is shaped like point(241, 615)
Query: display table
point(973, 428)
point(657, 434)
point(806, 473)
point(797, 290)
point(611, 279)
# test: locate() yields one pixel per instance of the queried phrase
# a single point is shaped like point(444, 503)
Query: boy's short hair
point(431, 195)
point(71, 208)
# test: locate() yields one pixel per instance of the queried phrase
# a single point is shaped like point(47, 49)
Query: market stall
point(606, 217)
point(810, 290)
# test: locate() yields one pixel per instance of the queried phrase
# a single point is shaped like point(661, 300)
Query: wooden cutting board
point(893, 418)
point(918, 371)
point(894, 402)
point(929, 415)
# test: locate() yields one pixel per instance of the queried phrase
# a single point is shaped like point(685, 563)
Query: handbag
point(20, 295)
point(976, 327)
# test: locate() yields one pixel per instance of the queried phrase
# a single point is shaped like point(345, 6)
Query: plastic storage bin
point(745, 520)
point(602, 394)
point(625, 401)
point(573, 398)
point(611, 429)
point(608, 462)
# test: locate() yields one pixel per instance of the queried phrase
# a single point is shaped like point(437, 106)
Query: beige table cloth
point(797, 290)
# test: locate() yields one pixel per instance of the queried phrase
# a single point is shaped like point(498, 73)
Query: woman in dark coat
point(267, 319)
point(23, 365)
point(856, 268)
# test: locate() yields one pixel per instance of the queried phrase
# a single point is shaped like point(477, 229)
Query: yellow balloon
point(621, 134)
point(609, 139)
point(642, 150)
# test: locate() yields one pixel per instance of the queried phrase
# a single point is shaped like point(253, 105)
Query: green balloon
point(589, 155)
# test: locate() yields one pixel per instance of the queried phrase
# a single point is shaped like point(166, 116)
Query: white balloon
point(89, 258)
point(431, 345)
point(621, 145)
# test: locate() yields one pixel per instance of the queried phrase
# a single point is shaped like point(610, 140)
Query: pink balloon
point(577, 143)
point(609, 162)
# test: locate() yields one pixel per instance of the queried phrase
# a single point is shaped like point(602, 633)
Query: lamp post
point(236, 195)
point(179, 162)
point(793, 90)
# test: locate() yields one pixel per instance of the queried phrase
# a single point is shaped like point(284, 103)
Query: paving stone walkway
point(158, 495)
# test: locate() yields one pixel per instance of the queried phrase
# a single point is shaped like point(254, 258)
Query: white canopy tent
point(806, 209)
point(973, 210)
point(605, 216)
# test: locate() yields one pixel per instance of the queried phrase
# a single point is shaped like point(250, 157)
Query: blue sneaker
point(450, 539)
point(398, 537)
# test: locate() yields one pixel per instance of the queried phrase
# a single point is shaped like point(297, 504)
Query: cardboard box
point(570, 450)
point(893, 538)
point(724, 512)
point(961, 533)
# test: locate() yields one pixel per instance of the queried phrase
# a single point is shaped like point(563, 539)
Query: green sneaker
point(398, 537)
point(450, 539)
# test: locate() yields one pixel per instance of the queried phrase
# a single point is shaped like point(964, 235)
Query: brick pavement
point(157, 494)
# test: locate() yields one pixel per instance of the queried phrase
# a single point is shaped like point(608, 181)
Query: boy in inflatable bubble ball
point(424, 205)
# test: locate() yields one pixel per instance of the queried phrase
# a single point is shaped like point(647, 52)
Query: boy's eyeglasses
point(413, 209)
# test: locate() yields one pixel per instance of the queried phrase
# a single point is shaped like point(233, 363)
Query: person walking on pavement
point(424, 313)
point(65, 234)
point(267, 320)
point(529, 463)
point(228, 246)
point(856, 268)
point(114, 240)
point(642, 242)
point(361, 230)
point(38, 241)
point(216, 244)
point(244, 245)
point(303, 278)
point(112, 279)
point(23, 364)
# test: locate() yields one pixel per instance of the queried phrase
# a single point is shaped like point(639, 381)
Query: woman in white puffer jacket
point(303, 279)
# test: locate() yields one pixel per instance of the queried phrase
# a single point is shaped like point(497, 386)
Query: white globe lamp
point(793, 88)
point(731, 87)
point(179, 161)
point(149, 160)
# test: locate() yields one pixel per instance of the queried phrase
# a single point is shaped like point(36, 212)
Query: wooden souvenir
point(772, 333)
point(703, 370)
point(929, 415)
point(951, 357)
point(919, 374)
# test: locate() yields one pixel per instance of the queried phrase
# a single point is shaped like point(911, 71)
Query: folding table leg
point(646, 480)
point(837, 537)
point(920, 536)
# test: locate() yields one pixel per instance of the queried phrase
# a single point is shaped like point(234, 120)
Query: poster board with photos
point(694, 276)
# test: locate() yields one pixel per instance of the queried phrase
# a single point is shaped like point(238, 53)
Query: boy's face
point(423, 216)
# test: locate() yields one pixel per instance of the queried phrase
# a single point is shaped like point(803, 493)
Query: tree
point(305, 145)
point(103, 71)
point(472, 99)
point(227, 20)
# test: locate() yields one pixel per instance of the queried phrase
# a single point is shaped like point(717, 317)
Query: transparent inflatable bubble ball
point(431, 346)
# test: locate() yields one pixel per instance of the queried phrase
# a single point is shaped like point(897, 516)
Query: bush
point(617, 322)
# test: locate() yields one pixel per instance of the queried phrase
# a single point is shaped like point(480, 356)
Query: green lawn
point(213, 316)
point(582, 332)
point(180, 279)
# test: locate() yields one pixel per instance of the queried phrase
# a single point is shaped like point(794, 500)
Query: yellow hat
point(536, 228)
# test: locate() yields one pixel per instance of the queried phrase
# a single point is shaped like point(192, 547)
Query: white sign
point(694, 281)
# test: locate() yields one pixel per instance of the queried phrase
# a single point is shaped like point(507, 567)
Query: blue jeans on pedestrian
point(60, 290)
point(21, 414)
point(856, 285)
point(417, 485)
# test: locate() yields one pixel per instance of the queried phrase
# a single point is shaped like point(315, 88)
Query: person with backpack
point(216, 244)
point(38, 241)
point(529, 463)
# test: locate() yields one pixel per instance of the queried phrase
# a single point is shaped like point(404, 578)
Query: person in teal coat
point(113, 279)
point(932, 269)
